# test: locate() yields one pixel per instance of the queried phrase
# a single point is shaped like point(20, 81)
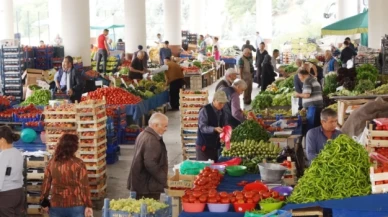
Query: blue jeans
point(76, 211)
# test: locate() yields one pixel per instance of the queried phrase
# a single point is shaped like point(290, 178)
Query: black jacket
point(222, 84)
point(76, 84)
point(248, 46)
point(346, 54)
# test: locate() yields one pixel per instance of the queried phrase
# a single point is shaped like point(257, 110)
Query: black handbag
point(45, 203)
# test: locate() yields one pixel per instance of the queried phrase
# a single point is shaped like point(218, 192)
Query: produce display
point(251, 148)
point(330, 84)
point(364, 85)
point(113, 96)
point(282, 100)
point(367, 72)
point(38, 97)
point(383, 89)
point(159, 77)
point(262, 101)
point(340, 170)
point(133, 206)
point(249, 130)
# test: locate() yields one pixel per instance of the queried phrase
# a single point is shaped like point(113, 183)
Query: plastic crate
point(276, 213)
point(166, 212)
point(16, 118)
point(38, 128)
point(229, 61)
point(112, 158)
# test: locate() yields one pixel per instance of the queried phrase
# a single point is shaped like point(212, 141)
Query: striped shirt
point(312, 87)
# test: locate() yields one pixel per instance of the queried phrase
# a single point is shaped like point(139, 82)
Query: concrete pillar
point(377, 25)
point(76, 29)
point(55, 18)
point(6, 17)
point(264, 21)
point(135, 24)
point(346, 8)
point(196, 18)
point(172, 25)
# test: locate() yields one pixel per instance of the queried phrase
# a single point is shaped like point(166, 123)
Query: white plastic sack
point(294, 105)
point(362, 138)
point(280, 123)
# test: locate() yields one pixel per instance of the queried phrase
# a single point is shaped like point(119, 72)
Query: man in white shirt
point(208, 40)
point(259, 39)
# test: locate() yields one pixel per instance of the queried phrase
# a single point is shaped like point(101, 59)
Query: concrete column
point(55, 18)
point(135, 24)
point(6, 17)
point(76, 29)
point(197, 17)
point(346, 8)
point(264, 21)
point(377, 25)
point(172, 24)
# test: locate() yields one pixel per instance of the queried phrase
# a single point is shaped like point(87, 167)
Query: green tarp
point(349, 26)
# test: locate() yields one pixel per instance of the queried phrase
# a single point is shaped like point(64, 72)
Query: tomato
point(266, 195)
point(212, 193)
point(232, 199)
point(236, 192)
point(191, 199)
point(250, 201)
point(185, 200)
point(197, 193)
point(224, 194)
point(262, 192)
point(225, 200)
point(240, 201)
point(275, 194)
point(239, 196)
point(379, 127)
point(282, 198)
point(256, 198)
point(248, 195)
point(197, 201)
point(212, 200)
point(203, 199)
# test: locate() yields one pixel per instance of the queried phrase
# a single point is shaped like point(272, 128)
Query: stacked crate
point(58, 120)
point(91, 120)
point(43, 56)
point(11, 67)
point(190, 104)
point(35, 166)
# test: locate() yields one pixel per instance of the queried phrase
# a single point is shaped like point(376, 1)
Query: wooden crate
point(343, 106)
point(314, 211)
point(32, 199)
point(37, 162)
point(371, 141)
point(176, 206)
point(376, 177)
point(286, 141)
point(35, 174)
point(290, 176)
point(34, 186)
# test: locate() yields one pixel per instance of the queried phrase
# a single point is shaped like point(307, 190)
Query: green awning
point(349, 26)
point(107, 27)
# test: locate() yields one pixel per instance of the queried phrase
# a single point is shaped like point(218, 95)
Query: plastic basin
point(236, 170)
point(243, 207)
point(271, 172)
point(220, 168)
point(213, 207)
point(258, 186)
point(283, 190)
point(269, 207)
point(194, 207)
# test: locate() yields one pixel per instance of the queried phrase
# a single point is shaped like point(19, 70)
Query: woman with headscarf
point(268, 74)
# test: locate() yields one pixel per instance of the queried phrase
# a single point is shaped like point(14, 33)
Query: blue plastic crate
point(112, 158)
point(229, 61)
point(16, 118)
point(276, 213)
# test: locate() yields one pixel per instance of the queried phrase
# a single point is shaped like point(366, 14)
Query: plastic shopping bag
point(226, 135)
point(294, 105)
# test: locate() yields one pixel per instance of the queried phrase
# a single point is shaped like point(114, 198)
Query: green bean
point(341, 170)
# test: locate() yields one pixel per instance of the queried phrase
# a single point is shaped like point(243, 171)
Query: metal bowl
point(271, 172)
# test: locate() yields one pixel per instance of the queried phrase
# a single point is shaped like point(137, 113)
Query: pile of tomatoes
point(114, 96)
point(4, 101)
point(21, 112)
point(34, 124)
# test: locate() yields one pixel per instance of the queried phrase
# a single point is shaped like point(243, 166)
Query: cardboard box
point(32, 75)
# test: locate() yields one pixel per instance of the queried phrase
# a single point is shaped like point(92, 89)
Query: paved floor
point(118, 172)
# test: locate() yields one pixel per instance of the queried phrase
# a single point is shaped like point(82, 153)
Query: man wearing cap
point(230, 76)
point(173, 74)
point(164, 53)
point(210, 123)
point(145, 59)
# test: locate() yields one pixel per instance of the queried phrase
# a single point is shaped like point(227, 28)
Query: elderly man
point(164, 52)
point(149, 169)
point(137, 69)
point(311, 94)
point(210, 122)
point(227, 81)
point(331, 64)
point(316, 138)
point(233, 113)
point(174, 77)
point(245, 67)
point(260, 54)
point(145, 59)
point(68, 81)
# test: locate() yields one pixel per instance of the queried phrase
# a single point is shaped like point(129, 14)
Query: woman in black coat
point(268, 74)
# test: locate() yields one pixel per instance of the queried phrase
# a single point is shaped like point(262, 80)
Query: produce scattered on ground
point(252, 148)
point(114, 96)
point(340, 170)
point(134, 206)
point(249, 130)
point(38, 97)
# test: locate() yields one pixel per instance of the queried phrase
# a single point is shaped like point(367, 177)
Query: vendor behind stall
point(174, 77)
point(316, 138)
point(145, 59)
point(210, 122)
point(68, 80)
point(227, 81)
point(137, 69)
point(311, 95)
point(164, 52)
point(233, 113)
point(331, 64)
